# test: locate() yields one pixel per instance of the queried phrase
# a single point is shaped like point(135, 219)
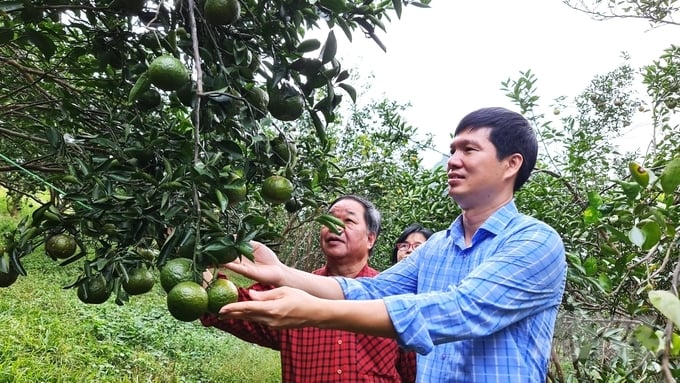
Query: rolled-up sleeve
point(409, 323)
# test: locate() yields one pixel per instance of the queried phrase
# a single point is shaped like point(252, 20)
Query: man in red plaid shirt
point(312, 355)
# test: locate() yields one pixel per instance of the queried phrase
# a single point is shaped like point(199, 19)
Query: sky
point(451, 59)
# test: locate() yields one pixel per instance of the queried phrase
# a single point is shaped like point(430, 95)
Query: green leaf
point(9, 6)
point(652, 234)
point(646, 336)
point(345, 28)
point(667, 303)
point(675, 344)
point(53, 137)
point(142, 84)
point(591, 215)
point(630, 189)
point(350, 91)
point(594, 199)
point(320, 129)
point(308, 46)
point(42, 42)
point(605, 282)
point(330, 48)
point(221, 200)
point(397, 7)
point(590, 265)
point(6, 35)
point(670, 176)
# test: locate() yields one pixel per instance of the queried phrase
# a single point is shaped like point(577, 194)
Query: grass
point(48, 335)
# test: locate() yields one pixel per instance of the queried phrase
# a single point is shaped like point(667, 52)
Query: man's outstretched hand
point(266, 268)
point(283, 307)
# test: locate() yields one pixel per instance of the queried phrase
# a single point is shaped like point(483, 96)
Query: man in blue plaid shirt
point(477, 301)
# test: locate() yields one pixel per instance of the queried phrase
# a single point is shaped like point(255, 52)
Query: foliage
point(52, 336)
point(655, 12)
point(619, 228)
point(124, 173)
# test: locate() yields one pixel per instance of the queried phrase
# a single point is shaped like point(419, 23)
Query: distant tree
point(658, 13)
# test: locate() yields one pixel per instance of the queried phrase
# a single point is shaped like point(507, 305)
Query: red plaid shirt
point(312, 355)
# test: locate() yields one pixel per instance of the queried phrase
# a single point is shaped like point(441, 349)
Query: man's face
point(475, 175)
point(354, 242)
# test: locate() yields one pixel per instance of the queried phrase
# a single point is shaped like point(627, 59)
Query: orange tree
point(150, 124)
point(618, 215)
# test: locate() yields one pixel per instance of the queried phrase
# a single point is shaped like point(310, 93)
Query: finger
point(232, 309)
point(258, 247)
point(266, 295)
point(259, 303)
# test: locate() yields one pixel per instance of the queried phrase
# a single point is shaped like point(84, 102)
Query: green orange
point(285, 104)
point(168, 73)
point(221, 12)
point(94, 290)
point(178, 270)
point(60, 246)
point(187, 301)
point(276, 189)
point(140, 281)
point(221, 292)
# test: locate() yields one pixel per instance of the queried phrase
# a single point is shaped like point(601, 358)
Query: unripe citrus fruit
point(178, 270)
point(140, 281)
point(149, 100)
point(187, 301)
point(7, 279)
point(221, 292)
point(286, 104)
point(259, 99)
point(9, 275)
point(60, 246)
point(221, 12)
point(168, 73)
point(284, 152)
point(94, 290)
point(276, 189)
point(236, 193)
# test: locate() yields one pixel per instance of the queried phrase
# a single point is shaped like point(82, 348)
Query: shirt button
point(339, 372)
point(339, 341)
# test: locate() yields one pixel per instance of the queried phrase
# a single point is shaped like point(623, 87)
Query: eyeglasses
point(404, 246)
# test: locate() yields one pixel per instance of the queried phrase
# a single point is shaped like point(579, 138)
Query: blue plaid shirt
point(483, 313)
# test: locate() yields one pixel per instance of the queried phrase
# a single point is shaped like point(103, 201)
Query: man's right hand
point(266, 268)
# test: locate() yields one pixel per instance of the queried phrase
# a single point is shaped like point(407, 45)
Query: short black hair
point(410, 229)
point(510, 133)
point(372, 215)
